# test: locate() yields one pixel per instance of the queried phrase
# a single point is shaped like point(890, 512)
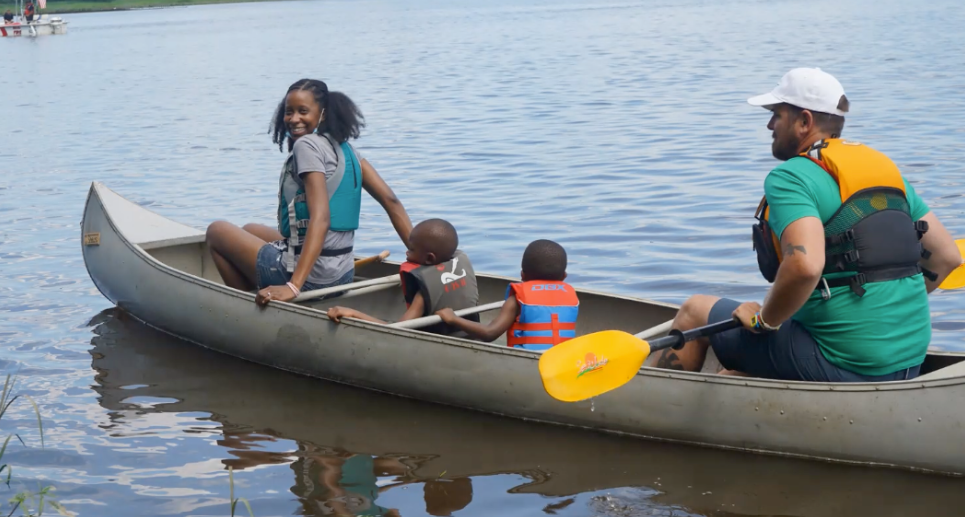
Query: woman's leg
point(235, 253)
point(265, 233)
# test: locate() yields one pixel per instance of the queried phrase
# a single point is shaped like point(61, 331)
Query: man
point(838, 235)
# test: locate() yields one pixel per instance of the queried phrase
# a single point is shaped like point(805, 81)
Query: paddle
point(374, 258)
point(956, 279)
point(596, 363)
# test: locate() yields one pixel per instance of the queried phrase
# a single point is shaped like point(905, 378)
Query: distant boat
point(41, 25)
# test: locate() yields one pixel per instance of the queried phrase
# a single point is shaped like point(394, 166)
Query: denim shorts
point(271, 271)
point(789, 353)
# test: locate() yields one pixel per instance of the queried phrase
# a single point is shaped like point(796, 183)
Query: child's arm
point(414, 311)
point(488, 333)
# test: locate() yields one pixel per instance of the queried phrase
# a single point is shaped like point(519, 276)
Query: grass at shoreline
point(87, 6)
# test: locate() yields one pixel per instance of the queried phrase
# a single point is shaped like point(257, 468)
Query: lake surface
point(619, 129)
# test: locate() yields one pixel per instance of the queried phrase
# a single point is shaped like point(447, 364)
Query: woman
point(319, 200)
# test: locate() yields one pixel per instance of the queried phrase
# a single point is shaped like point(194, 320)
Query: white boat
point(41, 25)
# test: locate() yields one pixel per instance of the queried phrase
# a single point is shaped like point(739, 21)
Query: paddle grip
point(676, 339)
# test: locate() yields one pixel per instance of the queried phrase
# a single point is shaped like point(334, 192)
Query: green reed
point(30, 504)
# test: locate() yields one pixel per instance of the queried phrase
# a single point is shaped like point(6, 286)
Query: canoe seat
point(955, 370)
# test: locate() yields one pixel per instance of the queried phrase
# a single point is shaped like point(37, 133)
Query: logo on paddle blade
point(590, 363)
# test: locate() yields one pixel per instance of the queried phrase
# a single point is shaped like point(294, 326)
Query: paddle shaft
point(677, 338)
point(374, 258)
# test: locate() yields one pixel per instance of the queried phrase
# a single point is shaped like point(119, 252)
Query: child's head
point(432, 242)
point(309, 107)
point(544, 260)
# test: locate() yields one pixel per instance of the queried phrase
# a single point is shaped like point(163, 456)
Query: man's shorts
point(790, 353)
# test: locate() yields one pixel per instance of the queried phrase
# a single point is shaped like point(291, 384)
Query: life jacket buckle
point(852, 256)
point(921, 227)
point(857, 282)
point(825, 290)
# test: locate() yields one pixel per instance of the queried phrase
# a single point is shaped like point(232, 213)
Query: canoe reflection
point(352, 445)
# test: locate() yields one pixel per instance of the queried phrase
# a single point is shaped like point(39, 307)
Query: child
point(542, 311)
point(435, 275)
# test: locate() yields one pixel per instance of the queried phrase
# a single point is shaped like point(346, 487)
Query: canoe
point(160, 272)
point(140, 372)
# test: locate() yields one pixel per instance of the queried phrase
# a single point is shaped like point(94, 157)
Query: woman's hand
point(275, 293)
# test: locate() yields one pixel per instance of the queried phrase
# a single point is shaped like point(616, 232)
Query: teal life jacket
point(344, 200)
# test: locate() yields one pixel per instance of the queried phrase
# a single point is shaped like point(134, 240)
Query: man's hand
point(745, 312)
point(337, 313)
point(447, 315)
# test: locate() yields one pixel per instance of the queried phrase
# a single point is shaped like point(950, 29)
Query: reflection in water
point(352, 452)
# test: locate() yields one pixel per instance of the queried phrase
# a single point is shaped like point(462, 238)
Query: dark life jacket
point(451, 285)
point(872, 234)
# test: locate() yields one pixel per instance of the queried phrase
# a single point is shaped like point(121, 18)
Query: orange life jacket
point(871, 234)
point(547, 314)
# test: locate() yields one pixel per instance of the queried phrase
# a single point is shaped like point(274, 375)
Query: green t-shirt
point(886, 330)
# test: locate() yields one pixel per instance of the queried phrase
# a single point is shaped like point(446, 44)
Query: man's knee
point(695, 311)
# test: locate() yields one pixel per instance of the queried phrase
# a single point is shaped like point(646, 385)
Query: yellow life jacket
point(872, 234)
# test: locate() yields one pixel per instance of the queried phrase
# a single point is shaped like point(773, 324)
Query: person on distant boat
point(319, 202)
point(540, 312)
point(850, 247)
point(8, 18)
point(436, 275)
point(29, 11)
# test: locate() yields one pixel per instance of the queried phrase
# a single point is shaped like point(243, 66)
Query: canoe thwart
point(318, 293)
point(425, 321)
point(655, 331)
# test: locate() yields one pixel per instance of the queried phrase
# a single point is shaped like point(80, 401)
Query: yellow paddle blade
point(590, 365)
point(956, 279)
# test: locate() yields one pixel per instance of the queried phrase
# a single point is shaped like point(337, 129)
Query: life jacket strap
point(555, 326)
point(337, 252)
point(856, 282)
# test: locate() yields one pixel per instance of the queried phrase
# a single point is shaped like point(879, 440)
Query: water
point(618, 129)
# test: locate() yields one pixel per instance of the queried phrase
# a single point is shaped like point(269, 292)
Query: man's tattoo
point(789, 250)
point(669, 361)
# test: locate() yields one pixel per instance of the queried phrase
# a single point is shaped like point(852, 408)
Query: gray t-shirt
point(314, 153)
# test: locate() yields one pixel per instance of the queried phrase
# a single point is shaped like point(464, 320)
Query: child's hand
point(447, 315)
point(337, 313)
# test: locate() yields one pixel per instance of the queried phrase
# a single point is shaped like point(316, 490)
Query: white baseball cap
point(807, 88)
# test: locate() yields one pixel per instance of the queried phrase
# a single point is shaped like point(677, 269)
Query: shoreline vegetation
point(93, 6)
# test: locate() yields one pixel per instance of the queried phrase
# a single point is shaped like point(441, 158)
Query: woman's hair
point(343, 120)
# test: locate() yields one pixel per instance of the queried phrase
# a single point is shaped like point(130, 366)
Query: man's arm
point(944, 252)
point(802, 245)
point(488, 333)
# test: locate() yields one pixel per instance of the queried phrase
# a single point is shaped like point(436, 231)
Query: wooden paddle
point(374, 258)
point(956, 279)
point(596, 363)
